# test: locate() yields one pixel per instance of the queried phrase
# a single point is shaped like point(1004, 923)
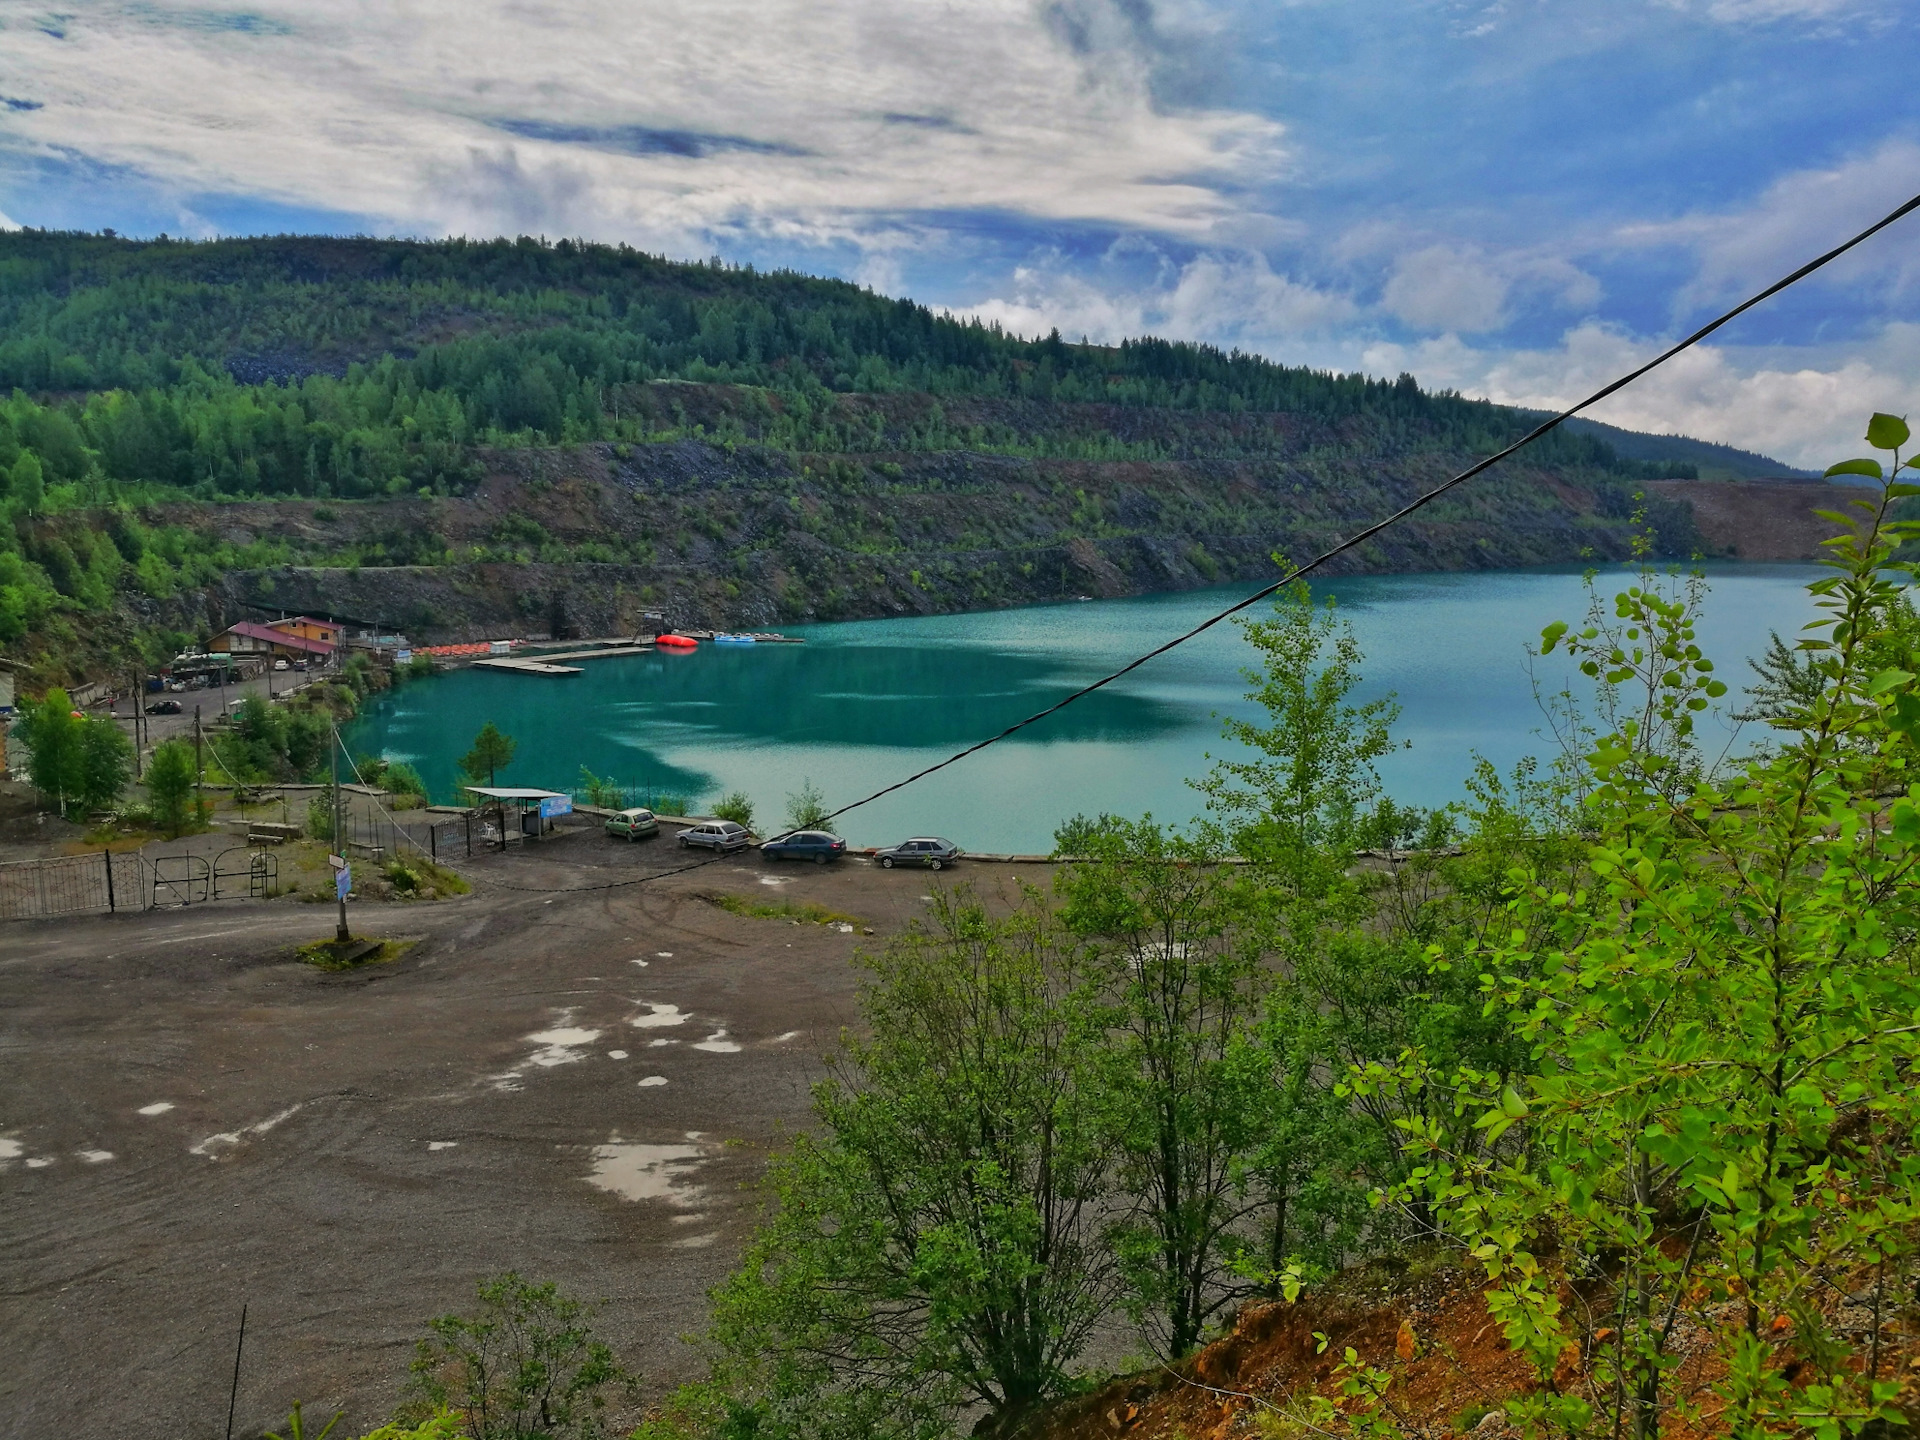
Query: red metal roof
point(253, 631)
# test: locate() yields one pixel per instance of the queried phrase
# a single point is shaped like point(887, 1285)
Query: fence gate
point(93, 884)
point(181, 880)
point(239, 872)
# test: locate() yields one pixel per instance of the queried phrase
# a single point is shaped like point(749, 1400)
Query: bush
point(320, 815)
point(525, 1368)
point(670, 805)
point(735, 807)
point(807, 809)
point(170, 780)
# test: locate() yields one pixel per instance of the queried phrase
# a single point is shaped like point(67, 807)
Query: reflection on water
point(864, 703)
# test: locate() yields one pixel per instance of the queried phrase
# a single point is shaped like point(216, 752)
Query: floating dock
point(548, 663)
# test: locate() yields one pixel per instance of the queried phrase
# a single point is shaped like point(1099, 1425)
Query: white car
point(720, 835)
point(279, 664)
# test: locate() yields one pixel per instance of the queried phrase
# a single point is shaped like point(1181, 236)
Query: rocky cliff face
point(587, 540)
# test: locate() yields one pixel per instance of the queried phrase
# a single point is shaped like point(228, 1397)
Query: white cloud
point(1799, 216)
point(790, 120)
point(1224, 298)
point(1762, 12)
point(1807, 407)
point(1439, 288)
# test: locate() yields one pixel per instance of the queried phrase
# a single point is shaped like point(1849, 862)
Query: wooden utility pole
point(199, 774)
point(341, 934)
point(137, 712)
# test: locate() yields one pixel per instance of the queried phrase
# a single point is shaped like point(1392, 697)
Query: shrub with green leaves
point(525, 1367)
point(1720, 1131)
point(807, 807)
point(735, 807)
point(938, 1240)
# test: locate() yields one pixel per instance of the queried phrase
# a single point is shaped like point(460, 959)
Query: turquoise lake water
point(867, 702)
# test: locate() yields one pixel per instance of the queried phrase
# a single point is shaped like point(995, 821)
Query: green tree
point(525, 1368)
point(1724, 1016)
point(492, 752)
point(1189, 1083)
point(27, 484)
point(1303, 803)
point(82, 763)
point(939, 1240)
point(170, 782)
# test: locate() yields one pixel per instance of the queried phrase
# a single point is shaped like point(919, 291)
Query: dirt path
point(574, 1085)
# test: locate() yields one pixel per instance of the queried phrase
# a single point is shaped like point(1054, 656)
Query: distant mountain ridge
point(1714, 461)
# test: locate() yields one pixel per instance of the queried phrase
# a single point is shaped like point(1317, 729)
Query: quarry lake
point(865, 703)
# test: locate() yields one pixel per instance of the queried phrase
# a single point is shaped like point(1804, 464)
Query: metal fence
point(104, 884)
point(96, 884)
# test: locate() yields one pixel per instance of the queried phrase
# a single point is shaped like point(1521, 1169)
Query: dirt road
point(575, 1083)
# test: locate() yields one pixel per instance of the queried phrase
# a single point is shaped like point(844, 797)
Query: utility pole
point(134, 715)
point(199, 774)
point(341, 934)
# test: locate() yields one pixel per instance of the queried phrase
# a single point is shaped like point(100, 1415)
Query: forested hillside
point(155, 385)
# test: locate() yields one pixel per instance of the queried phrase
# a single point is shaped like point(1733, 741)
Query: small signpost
point(342, 883)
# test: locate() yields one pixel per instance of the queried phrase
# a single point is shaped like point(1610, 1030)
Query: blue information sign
point(553, 805)
point(342, 881)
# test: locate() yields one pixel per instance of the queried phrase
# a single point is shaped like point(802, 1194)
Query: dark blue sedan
point(814, 845)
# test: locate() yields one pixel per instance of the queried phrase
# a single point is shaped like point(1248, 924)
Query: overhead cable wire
point(1358, 538)
point(1362, 536)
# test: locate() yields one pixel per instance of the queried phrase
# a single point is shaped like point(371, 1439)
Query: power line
point(1363, 536)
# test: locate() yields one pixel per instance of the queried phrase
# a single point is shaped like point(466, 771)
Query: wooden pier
point(548, 662)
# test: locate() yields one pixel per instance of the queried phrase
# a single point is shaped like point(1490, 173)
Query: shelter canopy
point(512, 792)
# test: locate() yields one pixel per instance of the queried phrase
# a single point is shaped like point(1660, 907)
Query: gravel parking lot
point(568, 1075)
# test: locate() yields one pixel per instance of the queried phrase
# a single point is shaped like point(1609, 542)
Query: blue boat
point(733, 640)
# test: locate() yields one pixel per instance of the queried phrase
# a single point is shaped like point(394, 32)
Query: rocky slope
point(588, 540)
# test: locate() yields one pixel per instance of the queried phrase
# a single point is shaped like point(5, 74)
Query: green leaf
point(1888, 680)
point(1550, 636)
point(1858, 467)
point(1887, 432)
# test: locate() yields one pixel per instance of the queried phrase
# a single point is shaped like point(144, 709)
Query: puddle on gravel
point(441, 1144)
point(641, 963)
point(653, 1080)
point(561, 1046)
point(214, 1145)
point(647, 1172)
point(10, 1149)
point(159, 1107)
point(718, 1044)
point(783, 1039)
point(616, 1054)
point(775, 880)
point(659, 1015)
point(656, 1044)
point(695, 1242)
point(663, 954)
point(95, 1157)
point(39, 1162)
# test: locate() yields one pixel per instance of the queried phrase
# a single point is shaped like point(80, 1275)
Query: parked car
point(927, 851)
point(814, 845)
point(721, 835)
point(279, 664)
point(633, 824)
point(163, 707)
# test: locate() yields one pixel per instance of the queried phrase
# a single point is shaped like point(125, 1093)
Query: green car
point(633, 824)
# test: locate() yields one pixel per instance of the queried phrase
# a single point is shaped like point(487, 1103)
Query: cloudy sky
point(1516, 198)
